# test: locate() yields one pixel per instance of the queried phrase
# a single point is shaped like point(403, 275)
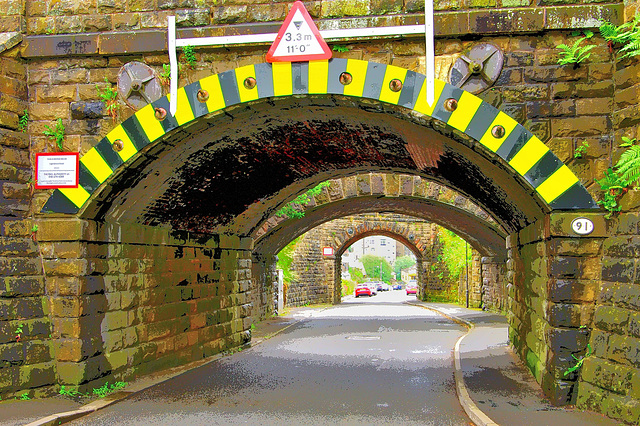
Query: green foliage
point(348, 287)
point(106, 389)
point(629, 165)
point(70, 392)
point(339, 48)
point(285, 258)
point(402, 262)
point(23, 121)
point(627, 34)
point(372, 265)
point(291, 209)
point(581, 150)
point(190, 56)
point(19, 329)
point(24, 397)
point(575, 53)
point(453, 253)
point(618, 179)
point(579, 361)
point(613, 188)
point(55, 134)
point(109, 96)
point(357, 275)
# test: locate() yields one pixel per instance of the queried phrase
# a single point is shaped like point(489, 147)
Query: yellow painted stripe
point(77, 196)
point(129, 149)
point(386, 94)
point(556, 184)
point(94, 162)
point(318, 76)
point(241, 74)
point(421, 105)
point(184, 113)
point(212, 85)
point(149, 123)
point(358, 70)
point(528, 155)
point(282, 79)
point(468, 105)
point(503, 120)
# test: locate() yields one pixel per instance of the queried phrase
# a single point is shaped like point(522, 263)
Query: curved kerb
point(529, 158)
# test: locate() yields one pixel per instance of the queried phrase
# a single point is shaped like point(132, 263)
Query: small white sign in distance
point(298, 39)
point(582, 226)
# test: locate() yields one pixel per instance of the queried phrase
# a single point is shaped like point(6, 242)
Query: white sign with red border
point(57, 170)
point(298, 39)
point(327, 251)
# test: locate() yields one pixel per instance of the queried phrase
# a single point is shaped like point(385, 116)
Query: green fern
point(627, 34)
point(631, 48)
point(628, 167)
point(576, 53)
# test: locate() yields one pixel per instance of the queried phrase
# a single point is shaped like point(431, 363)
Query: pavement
point(494, 387)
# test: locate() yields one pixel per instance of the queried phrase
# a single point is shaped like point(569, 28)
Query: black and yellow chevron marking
point(525, 153)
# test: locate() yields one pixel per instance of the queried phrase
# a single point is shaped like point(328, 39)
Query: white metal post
point(430, 60)
point(173, 63)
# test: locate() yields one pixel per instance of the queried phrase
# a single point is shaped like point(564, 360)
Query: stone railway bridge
point(317, 277)
point(417, 200)
point(152, 260)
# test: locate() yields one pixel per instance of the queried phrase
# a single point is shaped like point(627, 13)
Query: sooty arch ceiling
point(236, 164)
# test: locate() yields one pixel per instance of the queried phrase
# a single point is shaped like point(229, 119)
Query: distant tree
point(403, 262)
point(356, 275)
point(372, 265)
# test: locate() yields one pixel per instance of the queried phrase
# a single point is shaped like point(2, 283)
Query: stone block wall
point(552, 287)
point(313, 283)
point(124, 301)
point(494, 285)
point(26, 354)
point(610, 377)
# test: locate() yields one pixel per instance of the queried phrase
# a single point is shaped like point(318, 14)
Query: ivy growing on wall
point(294, 209)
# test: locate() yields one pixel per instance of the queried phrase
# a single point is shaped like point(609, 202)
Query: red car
point(412, 289)
point(363, 289)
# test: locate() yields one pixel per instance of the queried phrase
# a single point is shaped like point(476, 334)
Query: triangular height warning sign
point(298, 39)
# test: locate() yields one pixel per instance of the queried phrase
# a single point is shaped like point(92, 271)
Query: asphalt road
point(369, 361)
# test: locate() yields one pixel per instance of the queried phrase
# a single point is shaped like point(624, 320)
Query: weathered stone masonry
point(557, 282)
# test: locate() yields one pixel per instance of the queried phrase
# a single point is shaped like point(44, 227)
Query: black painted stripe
point(374, 80)
point(108, 154)
point(576, 197)
point(199, 108)
point(58, 203)
point(544, 168)
point(86, 179)
point(229, 86)
point(514, 143)
point(135, 132)
point(300, 77)
point(481, 120)
point(170, 122)
point(448, 92)
point(411, 89)
point(264, 80)
point(336, 67)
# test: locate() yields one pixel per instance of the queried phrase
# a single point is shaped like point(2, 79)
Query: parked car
point(382, 286)
point(412, 289)
point(363, 289)
point(397, 287)
point(373, 287)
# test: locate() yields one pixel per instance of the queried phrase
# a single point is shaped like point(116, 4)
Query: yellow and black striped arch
point(526, 154)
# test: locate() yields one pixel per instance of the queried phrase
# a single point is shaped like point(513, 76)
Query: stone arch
point(401, 233)
point(382, 185)
point(497, 135)
point(191, 189)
